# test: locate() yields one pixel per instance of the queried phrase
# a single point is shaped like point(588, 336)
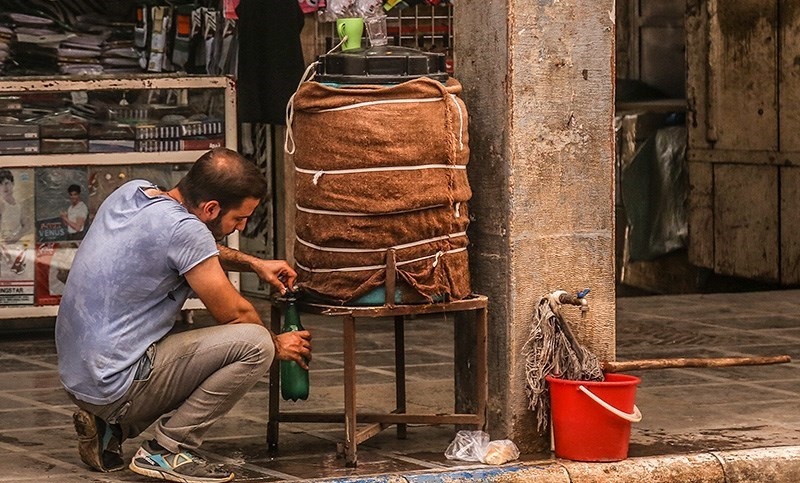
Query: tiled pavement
point(685, 410)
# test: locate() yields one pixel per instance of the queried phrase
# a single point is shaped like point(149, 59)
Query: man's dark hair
point(225, 176)
point(6, 174)
point(74, 188)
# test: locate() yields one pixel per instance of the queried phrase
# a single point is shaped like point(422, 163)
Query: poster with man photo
point(61, 210)
point(16, 236)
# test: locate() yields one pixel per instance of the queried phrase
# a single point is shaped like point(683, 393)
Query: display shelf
point(151, 97)
point(98, 159)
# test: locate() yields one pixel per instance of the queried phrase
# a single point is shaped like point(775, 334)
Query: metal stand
point(377, 422)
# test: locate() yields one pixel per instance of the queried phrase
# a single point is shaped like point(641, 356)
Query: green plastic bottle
point(294, 379)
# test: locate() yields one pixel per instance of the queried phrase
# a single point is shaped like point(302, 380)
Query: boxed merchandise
point(10, 104)
point(19, 146)
point(62, 126)
point(53, 261)
point(19, 131)
point(111, 130)
point(112, 145)
point(63, 146)
point(207, 127)
point(197, 144)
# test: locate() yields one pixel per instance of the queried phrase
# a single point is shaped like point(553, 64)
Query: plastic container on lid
point(385, 64)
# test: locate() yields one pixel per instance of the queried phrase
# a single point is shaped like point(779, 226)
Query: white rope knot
point(458, 209)
point(436, 259)
point(317, 176)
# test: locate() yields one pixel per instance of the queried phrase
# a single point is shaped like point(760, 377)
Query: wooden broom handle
point(642, 364)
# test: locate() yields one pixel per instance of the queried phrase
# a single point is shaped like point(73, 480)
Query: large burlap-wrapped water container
point(382, 167)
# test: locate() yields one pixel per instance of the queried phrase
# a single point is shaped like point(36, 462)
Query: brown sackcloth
point(347, 220)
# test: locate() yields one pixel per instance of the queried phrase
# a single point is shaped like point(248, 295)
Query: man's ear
point(210, 210)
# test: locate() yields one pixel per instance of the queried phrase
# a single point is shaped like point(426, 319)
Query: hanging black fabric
point(270, 58)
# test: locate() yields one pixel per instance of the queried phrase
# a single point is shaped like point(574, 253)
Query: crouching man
point(146, 251)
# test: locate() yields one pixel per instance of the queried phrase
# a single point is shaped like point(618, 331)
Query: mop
point(552, 350)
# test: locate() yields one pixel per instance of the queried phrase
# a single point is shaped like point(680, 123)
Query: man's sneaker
point(99, 443)
point(183, 467)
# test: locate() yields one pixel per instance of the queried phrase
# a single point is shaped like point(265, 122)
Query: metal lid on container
point(386, 64)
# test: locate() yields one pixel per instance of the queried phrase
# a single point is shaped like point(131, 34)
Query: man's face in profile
point(232, 220)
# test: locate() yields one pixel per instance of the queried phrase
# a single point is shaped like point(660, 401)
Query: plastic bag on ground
point(476, 446)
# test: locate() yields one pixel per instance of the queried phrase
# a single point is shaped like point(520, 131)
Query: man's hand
point(294, 346)
point(277, 273)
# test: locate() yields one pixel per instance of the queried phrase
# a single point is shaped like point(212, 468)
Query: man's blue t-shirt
point(125, 288)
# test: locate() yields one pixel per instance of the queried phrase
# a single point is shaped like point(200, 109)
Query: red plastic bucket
point(592, 420)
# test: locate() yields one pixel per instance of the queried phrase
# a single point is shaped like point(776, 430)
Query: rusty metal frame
point(377, 422)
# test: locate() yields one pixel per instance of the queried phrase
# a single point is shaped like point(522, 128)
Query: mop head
point(549, 351)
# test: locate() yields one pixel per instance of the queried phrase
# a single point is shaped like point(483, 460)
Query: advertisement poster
point(53, 261)
point(16, 236)
point(61, 210)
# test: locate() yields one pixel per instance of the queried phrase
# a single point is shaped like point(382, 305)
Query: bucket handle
point(633, 417)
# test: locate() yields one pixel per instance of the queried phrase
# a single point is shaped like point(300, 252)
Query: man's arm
point(212, 286)
point(277, 273)
point(228, 306)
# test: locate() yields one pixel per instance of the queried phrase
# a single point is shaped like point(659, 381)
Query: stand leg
point(400, 371)
point(349, 340)
point(274, 387)
point(482, 376)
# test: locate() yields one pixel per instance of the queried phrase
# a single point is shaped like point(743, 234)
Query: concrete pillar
point(538, 83)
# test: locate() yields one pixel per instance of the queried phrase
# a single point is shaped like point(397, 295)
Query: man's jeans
point(199, 374)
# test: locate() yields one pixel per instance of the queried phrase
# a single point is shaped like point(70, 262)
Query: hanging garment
point(270, 58)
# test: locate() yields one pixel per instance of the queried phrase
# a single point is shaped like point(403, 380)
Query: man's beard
point(215, 226)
